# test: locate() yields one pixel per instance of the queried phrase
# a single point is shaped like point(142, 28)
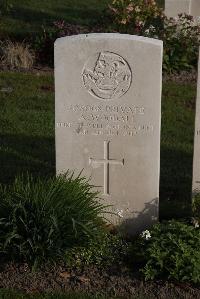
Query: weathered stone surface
point(108, 102)
point(196, 157)
point(195, 8)
point(175, 7)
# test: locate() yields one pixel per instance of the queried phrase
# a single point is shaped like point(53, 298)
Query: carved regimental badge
point(107, 76)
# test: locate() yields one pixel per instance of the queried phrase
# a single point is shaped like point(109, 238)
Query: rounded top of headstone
point(116, 36)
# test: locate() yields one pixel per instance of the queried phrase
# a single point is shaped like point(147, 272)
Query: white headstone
point(195, 8)
point(175, 7)
point(196, 157)
point(108, 109)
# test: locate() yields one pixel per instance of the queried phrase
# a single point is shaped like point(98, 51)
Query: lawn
point(27, 135)
point(177, 135)
point(26, 17)
point(26, 125)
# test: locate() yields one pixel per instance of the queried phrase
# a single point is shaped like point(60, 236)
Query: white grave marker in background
point(196, 157)
point(175, 7)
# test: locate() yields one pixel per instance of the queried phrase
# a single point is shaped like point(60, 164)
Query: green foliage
point(5, 7)
point(44, 42)
point(196, 205)
point(181, 43)
point(180, 35)
point(40, 219)
point(108, 249)
point(171, 252)
point(196, 209)
point(138, 17)
point(44, 45)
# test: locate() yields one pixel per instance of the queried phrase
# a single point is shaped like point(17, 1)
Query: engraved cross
point(106, 162)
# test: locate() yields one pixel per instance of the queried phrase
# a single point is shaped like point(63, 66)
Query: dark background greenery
point(26, 17)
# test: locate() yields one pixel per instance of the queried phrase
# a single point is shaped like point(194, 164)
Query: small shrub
point(44, 46)
point(196, 209)
point(44, 42)
point(14, 55)
point(140, 17)
point(171, 251)
point(40, 219)
point(105, 251)
point(180, 35)
point(181, 43)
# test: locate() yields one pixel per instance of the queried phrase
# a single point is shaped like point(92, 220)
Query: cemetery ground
point(27, 135)
point(27, 144)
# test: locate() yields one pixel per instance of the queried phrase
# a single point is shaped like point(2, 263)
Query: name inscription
point(106, 120)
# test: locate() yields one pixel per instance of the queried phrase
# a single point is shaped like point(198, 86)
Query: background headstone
point(195, 8)
point(196, 157)
point(175, 7)
point(108, 109)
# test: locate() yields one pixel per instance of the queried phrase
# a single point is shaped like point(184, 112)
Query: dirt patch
point(47, 88)
point(116, 281)
point(37, 70)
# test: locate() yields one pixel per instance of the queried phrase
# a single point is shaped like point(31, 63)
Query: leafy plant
point(181, 43)
point(108, 249)
point(138, 17)
point(171, 251)
point(44, 42)
point(44, 45)
point(40, 219)
point(180, 35)
point(196, 208)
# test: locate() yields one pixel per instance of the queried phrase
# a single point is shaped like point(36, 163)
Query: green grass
point(26, 125)
point(27, 136)
point(178, 107)
point(27, 16)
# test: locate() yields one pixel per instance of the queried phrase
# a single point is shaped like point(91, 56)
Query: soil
point(116, 281)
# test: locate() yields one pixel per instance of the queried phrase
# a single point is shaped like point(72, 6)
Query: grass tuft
point(16, 56)
point(41, 219)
